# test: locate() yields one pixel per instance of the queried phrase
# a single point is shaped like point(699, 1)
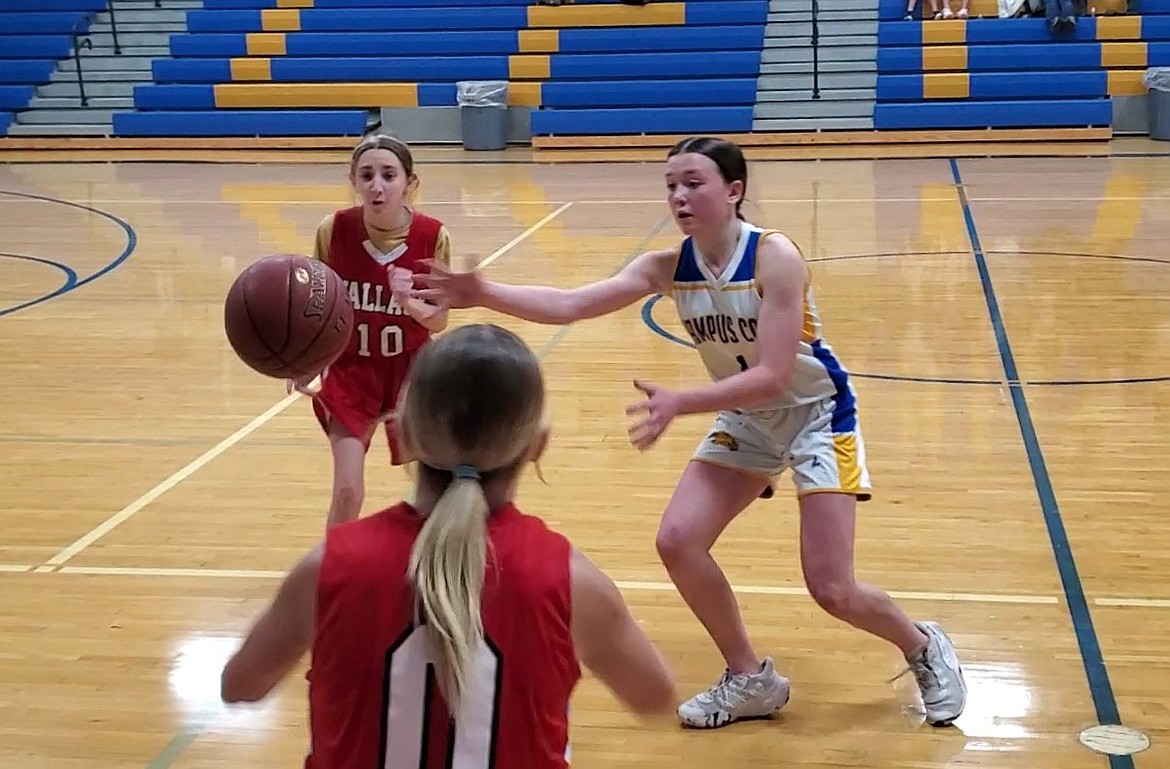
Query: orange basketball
point(288, 316)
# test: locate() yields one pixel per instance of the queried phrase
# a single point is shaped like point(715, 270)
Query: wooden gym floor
point(1006, 321)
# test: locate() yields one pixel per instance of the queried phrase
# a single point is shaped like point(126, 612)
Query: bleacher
point(1013, 73)
point(316, 67)
point(34, 36)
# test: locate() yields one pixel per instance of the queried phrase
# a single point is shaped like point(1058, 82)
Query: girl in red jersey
point(502, 607)
point(375, 248)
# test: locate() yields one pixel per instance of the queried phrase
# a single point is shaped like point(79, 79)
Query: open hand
point(445, 288)
point(660, 408)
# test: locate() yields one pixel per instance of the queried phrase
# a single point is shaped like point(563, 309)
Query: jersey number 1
point(390, 341)
point(408, 695)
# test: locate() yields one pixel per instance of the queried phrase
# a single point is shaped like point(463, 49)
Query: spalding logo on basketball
point(266, 330)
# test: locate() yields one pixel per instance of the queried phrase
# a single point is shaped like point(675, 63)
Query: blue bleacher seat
point(22, 24)
point(242, 123)
point(598, 67)
point(34, 71)
point(34, 35)
point(1007, 73)
point(5, 121)
point(39, 47)
point(593, 67)
point(41, 6)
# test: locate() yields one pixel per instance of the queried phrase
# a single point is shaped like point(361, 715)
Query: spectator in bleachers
point(944, 12)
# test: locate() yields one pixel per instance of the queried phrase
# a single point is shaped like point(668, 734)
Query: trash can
point(1158, 104)
point(483, 111)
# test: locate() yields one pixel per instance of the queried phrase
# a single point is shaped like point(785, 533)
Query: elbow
point(772, 383)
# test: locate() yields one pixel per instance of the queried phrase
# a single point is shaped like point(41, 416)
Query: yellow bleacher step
point(335, 95)
point(344, 95)
point(607, 15)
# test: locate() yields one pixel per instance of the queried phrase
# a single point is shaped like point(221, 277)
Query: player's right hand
point(305, 385)
point(445, 288)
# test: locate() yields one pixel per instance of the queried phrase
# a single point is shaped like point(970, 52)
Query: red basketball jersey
point(382, 329)
point(373, 699)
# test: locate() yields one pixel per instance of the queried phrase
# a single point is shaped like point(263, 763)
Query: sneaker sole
point(766, 717)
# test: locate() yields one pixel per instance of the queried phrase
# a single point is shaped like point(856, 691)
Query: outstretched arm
point(278, 640)
point(645, 275)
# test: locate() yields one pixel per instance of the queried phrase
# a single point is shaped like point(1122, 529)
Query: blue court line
point(68, 285)
point(74, 284)
point(1100, 688)
point(651, 323)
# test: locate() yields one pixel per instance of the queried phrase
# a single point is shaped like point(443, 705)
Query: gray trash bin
point(483, 112)
point(1158, 104)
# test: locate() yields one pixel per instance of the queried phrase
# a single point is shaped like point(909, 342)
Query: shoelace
point(923, 673)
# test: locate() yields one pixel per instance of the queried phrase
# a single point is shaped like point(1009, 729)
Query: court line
point(14, 568)
point(1153, 603)
point(185, 472)
point(120, 517)
point(173, 749)
point(519, 238)
point(69, 272)
point(1096, 672)
point(634, 253)
point(74, 283)
point(631, 585)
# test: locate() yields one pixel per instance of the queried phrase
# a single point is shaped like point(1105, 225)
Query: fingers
point(644, 386)
point(435, 296)
point(644, 434)
point(635, 408)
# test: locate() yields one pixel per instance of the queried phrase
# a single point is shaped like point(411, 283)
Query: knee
point(832, 593)
point(674, 545)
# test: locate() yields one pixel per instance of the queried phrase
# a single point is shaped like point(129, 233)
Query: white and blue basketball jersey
point(721, 315)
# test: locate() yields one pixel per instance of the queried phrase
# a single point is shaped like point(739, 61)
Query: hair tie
point(465, 473)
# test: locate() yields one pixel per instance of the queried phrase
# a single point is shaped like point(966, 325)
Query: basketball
point(288, 316)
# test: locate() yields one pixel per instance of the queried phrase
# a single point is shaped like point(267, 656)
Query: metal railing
point(79, 42)
point(816, 49)
point(82, 40)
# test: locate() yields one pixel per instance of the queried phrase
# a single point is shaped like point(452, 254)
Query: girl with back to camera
point(501, 606)
point(782, 401)
point(375, 247)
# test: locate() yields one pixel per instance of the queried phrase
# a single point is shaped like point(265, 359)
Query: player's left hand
point(401, 284)
point(660, 407)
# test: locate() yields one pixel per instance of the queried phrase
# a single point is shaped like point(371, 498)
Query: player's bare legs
point(827, 522)
point(349, 467)
point(826, 558)
point(708, 497)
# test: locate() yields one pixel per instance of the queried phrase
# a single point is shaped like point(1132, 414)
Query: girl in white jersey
point(781, 400)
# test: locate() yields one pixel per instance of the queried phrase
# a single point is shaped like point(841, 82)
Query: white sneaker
point(940, 676)
point(736, 697)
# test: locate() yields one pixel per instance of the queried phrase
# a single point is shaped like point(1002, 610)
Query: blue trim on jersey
point(686, 271)
point(746, 271)
point(844, 418)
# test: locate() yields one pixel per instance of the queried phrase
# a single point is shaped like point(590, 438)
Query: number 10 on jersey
point(389, 342)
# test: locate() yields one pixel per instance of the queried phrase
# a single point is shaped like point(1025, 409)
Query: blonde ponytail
point(447, 568)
